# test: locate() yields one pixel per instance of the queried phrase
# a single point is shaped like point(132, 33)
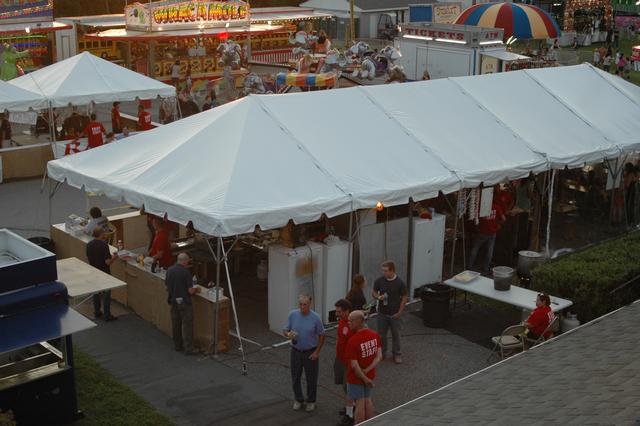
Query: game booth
point(27, 26)
point(151, 37)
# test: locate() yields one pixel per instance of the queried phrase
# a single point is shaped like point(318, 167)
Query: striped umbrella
point(522, 21)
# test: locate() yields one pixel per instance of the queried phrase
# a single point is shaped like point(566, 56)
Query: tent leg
point(456, 214)
point(233, 306)
point(49, 197)
point(350, 255)
point(550, 209)
point(216, 320)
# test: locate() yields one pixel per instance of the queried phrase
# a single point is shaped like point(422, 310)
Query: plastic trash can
point(44, 242)
point(435, 305)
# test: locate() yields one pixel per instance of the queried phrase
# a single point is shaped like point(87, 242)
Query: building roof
point(586, 376)
point(371, 5)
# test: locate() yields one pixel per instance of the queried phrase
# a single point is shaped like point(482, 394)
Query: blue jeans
point(479, 240)
point(386, 322)
point(106, 302)
point(300, 362)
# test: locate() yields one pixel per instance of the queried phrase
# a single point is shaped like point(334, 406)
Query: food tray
point(466, 276)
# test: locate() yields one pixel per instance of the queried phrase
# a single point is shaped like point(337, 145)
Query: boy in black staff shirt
point(391, 292)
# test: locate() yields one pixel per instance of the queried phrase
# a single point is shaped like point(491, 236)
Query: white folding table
point(516, 296)
point(83, 280)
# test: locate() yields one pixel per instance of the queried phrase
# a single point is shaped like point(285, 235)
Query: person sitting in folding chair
point(542, 316)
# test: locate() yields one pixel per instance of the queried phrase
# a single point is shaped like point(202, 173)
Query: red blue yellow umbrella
point(519, 20)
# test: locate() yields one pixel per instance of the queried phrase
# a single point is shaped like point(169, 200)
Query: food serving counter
point(145, 293)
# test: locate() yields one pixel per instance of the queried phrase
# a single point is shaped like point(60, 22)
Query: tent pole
point(350, 255)
point(216, 319)
point(233, 306)
point(550, 209)
point(455, 228)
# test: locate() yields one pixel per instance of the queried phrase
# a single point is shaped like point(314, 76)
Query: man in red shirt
point(343, 308)
point(363, 352)
point(116, 121)
point(540, 318)
point(486, 234)
point(144, 119)
point(161, 247)
point(94, 132)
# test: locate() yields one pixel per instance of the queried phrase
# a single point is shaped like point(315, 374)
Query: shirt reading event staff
point(306, 331)
point(391, 292)
point(94, 131)
point(180, 289)
point(144, 119)
point(363, 353)
point(100, 257)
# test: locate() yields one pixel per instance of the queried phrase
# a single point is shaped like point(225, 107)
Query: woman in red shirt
point(161, 247)
point(540, 318)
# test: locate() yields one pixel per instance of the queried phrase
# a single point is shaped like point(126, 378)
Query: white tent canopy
point(86, 78)
point(13, 98)
point(266, 159)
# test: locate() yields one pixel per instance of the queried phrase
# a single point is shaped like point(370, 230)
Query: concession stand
point(28, 26)
point(145, 292)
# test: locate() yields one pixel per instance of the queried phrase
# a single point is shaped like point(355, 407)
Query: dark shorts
point(356, 392)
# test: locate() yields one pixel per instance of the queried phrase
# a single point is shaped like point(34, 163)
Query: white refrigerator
point(316, 269)
point(292, 272)
point(336, 276)
point(427, 251)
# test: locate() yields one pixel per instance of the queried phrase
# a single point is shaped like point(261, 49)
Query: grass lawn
point(586, 55)
point(106, 401)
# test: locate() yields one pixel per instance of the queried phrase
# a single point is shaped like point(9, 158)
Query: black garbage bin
point(44, 242)
point(435, 304)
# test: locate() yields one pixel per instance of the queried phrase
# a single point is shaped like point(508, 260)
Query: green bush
point(589, 276)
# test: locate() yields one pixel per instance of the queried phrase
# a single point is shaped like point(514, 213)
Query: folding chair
point(553, 326)
point(511, 339)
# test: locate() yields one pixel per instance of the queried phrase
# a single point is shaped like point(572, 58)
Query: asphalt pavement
point(206, 391)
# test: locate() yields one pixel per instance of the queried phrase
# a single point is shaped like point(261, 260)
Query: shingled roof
point(587, 376)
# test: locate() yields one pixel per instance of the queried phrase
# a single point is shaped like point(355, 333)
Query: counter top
point(162, 274)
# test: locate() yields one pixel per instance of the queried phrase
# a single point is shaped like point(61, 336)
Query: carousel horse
point(359, 50)
point(302, 42)
point(335, 61)
point(378, 65)
point(253, 85)
point(9, 57)
point(229, 54)
point(396, 75)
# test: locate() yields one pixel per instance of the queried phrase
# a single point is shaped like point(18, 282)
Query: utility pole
point(352, 23)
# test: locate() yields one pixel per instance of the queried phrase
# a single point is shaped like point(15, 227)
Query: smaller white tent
point(14, 98)
point(85, 78)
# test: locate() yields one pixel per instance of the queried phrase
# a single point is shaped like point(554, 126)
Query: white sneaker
point(297, 406)
point(310, 407)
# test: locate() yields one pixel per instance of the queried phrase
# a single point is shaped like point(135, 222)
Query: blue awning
point(39, 325)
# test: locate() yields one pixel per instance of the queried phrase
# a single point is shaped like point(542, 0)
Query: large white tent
point(263, 160)
point(86, 78)
point(13, 98)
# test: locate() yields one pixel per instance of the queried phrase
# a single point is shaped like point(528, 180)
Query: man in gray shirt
point(392, 294)
point(179, 288)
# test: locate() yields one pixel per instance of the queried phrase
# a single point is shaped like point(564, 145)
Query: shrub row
point(589, 277)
